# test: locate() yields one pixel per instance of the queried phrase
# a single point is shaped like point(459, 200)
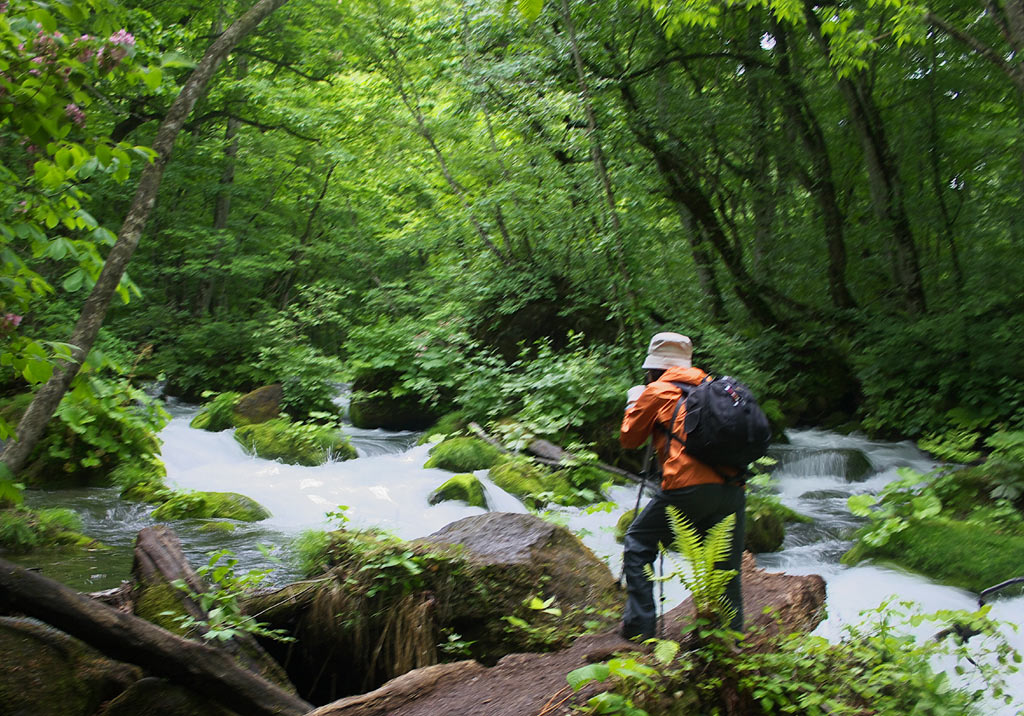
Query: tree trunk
point(207, 671)
point(821, 184)
point(46, 400)
point(883, 174)
point(159, 561)
point(222, 202)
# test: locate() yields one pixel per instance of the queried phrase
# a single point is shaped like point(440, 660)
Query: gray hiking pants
point(704, 506)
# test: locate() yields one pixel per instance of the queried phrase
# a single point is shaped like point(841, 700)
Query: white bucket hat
point(669, 350)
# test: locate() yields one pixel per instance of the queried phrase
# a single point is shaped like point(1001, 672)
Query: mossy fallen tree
point(207, 671)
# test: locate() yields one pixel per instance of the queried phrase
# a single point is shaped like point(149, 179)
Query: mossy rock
point(142, 480)
point(464, 488)
point(208, 505)
point(535, 484)
point(45, 672)
point(295, 443)
point(23, 530)
point(218, 414)
point(961, 554)
point(450, 424)
point(463, 455)
point(766, 520)
point(623, 523)
point(218, 527)
point(160, 604)
point(259, 406)
point(153, 695)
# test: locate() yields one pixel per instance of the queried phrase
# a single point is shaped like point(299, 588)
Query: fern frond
point(687, 540)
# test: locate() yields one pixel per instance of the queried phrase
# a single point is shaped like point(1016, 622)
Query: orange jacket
point(655, 406)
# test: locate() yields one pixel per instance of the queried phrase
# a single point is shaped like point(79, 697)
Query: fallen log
point(547, 453)
point(205, 670)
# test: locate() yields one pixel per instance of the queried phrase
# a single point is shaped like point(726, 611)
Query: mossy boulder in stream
point(23, 529)
point(295, 443)
point(464, 487)
point(535, 484)
point(463, 455)
point(231, 410)
point(211, 505)
point(766, 523)
point(969, 555)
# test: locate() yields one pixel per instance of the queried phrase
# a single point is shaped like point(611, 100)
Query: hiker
point(701, 494)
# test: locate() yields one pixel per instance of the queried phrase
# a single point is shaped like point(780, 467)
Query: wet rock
point(44, 672)
point(825, 495)
point(464, 487)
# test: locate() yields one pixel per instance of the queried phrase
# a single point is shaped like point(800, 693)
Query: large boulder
point(517, 557)
point(260, 405)
point(44, 672)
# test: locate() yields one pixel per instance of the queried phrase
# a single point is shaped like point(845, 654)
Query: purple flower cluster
point(9, 322)
point(123, 37)
point(75, 114)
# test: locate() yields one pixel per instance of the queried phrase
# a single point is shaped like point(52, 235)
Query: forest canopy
point(489, 207)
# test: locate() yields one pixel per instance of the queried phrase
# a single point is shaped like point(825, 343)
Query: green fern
point(696, 570)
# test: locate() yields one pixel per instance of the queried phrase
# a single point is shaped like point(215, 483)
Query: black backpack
point(724, 426)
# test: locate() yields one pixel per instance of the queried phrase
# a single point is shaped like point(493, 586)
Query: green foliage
point(101, 423)
point(307, 375)
point(697, 571)
point(225, 618)
point(142, 479)
point(876, 667)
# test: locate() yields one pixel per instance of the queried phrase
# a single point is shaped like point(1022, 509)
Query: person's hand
point(633, 394)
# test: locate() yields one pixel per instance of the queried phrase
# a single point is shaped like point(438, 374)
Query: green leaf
point(861, 505)
point(578, 678)
point(530, 9)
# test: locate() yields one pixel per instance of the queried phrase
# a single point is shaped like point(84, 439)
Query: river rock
point(295, 443)
point(45, 672)
point(522, 556)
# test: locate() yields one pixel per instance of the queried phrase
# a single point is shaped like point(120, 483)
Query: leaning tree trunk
point(46, 400)
point(202, 669)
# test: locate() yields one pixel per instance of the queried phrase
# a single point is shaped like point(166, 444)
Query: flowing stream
point(387, 487)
